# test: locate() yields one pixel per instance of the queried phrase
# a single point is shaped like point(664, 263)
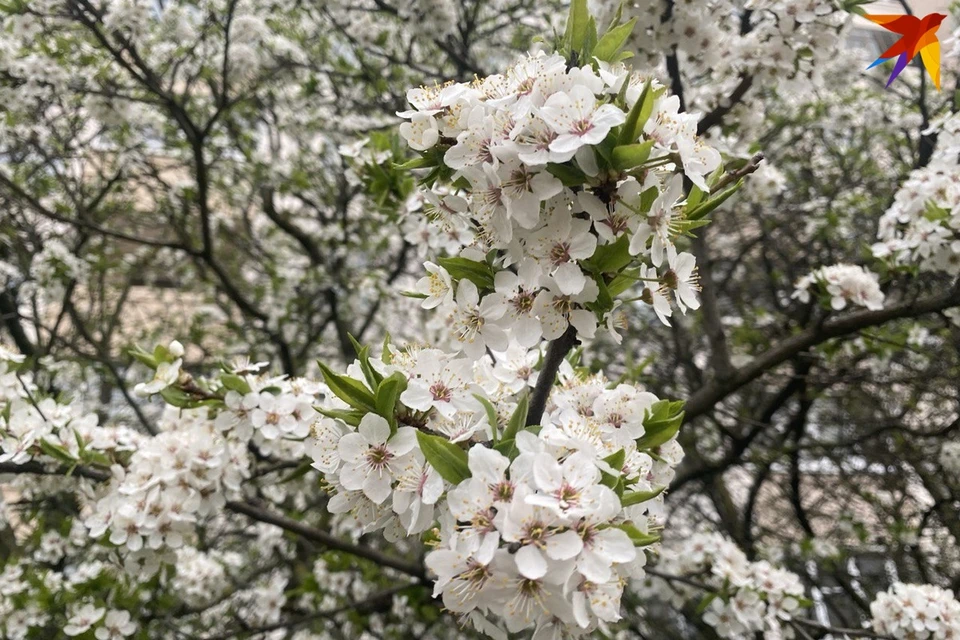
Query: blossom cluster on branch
point(843, 283)
point(921, 226)
point(914, 611)
point(567, 180)
point(738, 597)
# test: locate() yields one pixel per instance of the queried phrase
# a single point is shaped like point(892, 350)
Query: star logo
point(919, 35)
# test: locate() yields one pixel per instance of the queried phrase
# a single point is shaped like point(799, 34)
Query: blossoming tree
point(592, 412)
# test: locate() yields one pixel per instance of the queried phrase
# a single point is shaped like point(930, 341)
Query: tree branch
point(714, 391)
point(556, 352)
point(328, 540)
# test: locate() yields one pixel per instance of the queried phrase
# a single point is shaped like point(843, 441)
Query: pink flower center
point(440, 392)
point(379, 457)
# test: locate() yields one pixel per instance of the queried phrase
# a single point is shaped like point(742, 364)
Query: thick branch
point(556, 352)
point(718, 113)
point(716, 390)
point(39, 469)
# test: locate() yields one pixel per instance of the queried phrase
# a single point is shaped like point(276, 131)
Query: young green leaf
point(567, 174)
point(388, 392)
point(351, 417)
point(628, 156)
point(637, 537)
point(233, 382)
point(659, 430)
point(642, 108)
point(611, 258)
point(613, 40)
point(448, 459)
point(56, 451)
point(143, 357)
point(714, 202)
point(479, 273)
point(519, 418)
point(492, 417)
point(578, 24)
point(349, 390)
point(636, 497)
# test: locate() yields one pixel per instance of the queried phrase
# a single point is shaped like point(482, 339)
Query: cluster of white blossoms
point(773, 43)
point(173, 480)
point(567, 175)
point(916, 612)
point(534, 526)
point(844, 283)
point(950, 458)
point(114, 624)
point(922, 225)
point(35, 427)
point(744, 597)
point(536, 482)
point(26, 610)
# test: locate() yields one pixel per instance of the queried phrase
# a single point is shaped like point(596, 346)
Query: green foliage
point(661, 424)
point(349, 390)
point(448, 459)
point(479, 273)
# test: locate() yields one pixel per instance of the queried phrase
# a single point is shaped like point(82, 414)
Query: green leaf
point(693, 198)
point(661, 424)
point(637, 537)
point(479, 273)
point(615, 460)
point(589, 40)
point(623, 281)
point(604, 301)
point(642, 108)
point(371, 375)
point(628, 156)
point(613, 40)
point(507, 447)
point(605, 151)
point(704, 603)
point(647, 198)
point(686, 226)
point(714, 202)
point(387, 395)
point(418, 163)
point(56, 451)
point(569, 175)
point(636, 497)
point(448, 459)
point(349, 390)
point(351, 417)
point(577, 25)
point(385, 354)
point(178, 398)
point(92, 456)
point(143, 357)
point(519, 418)
point(233, 382)
point(357, 347)
point(611, 258)
point(492, 417)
